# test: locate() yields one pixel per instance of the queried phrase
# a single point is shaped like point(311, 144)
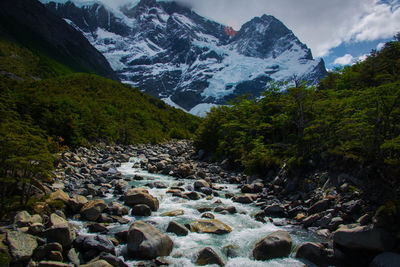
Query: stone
point(334, 223)
point(184, 170)
point(275, 245)
point(42, 252)
point(178, 229)
point(36, 218)
point(208, 256)
point(141, 210)
point(122, 236)
point(59, 195)
point(386, 259)
point(275, 210)
point(97, 228)
point(36, 229)
point(208, 215)
point(192, 195)
point(319, 206)
point(245, 198)
point(77, 202)
point(21, 245)
point(146, 241)
point(98, 263)
point(137, 196)
point(173, 213)
point(200, 183)
point(97, 243)
point(92, 210)
point(22, 219)
point(55, 256)
point(315, 253)
point(73, 257)
point(113, 260)
point(310, 220)
point(363, 238)
point(252, 188)
point(211, 226)
point(230, 209)
point(55, 219)
point(61, 233)
point(53, 264)
point(118, 209)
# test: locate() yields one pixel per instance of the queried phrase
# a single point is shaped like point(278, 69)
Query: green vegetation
point(351, 119)
point(45, 107)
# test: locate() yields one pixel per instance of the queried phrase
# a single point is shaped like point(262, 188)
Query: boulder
point(184, 170)
point(53, 264)
point(113, 260)
point(208, 256)
point(56, 220)
point(173, 213)
point(245, 198)
point(59, 195)
point(386, 259)
point(319, 206)
point(315, 253)
point(137, 196)
point(210, 226)
point(42, 252)
point(22, 219)
point(97, 228)
point(275, 245)
point(141, 210)
point(21, 245)
point(97, 263)
point(61, 233)
point(275, 210)
point(97, 243)
point(178, 229)
point(363, 238)
point(207, 215)
point(146, 241)
point(116, 208)
point(76, 203)
point(92, 210)
point(200, 183)
point(192, 195)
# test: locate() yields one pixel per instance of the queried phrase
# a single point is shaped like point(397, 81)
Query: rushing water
point(246, 231)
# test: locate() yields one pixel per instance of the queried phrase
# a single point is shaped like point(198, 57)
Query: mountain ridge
point(171, 52)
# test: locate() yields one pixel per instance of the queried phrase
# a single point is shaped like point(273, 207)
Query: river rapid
point(235, 248)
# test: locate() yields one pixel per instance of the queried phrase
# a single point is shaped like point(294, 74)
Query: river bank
point(152, 205)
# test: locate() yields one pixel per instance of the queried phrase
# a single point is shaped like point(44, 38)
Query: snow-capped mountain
point(170, 52)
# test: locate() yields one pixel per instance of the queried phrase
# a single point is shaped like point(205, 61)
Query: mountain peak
point(170, 52)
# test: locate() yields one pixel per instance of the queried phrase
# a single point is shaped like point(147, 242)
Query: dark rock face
point(30, 23)
point(172, 53)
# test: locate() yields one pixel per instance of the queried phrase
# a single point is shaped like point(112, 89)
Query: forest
point(352, 118)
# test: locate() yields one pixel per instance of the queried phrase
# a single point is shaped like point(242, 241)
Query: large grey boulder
point(315, 253)
point(92, 210)
point(137, 196)
point(275, 245)
point(178, 229)
point(61, 233)
point(208, 256)
point(21, 245)
point(22, 219)
point(363, 238)
point(146, 241)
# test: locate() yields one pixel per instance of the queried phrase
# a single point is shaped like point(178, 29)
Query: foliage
point(352, 117)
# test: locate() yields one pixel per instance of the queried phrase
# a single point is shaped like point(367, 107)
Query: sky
point(339, 31)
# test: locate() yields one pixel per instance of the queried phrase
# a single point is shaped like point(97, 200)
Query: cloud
point(380, 46)
point(345, 60)
point(362, 57)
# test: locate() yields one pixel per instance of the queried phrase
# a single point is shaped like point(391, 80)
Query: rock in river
point(210, 226)
point(146, 241)
point(137, 196)
point(275, 245)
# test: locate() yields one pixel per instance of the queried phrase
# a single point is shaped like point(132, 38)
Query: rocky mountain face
point(31, 24)
point(170, 52)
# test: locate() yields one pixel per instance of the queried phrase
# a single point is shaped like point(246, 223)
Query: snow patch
point(171, 103)
point(202, 109)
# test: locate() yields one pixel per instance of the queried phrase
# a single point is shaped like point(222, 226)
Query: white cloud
point(362, 57)
point(345, 60)
point(380, 46)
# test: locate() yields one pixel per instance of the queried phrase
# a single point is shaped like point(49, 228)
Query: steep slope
point(174, 54)
point(31, 24)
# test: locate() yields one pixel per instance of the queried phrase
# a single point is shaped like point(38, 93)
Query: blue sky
point(339, 31)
